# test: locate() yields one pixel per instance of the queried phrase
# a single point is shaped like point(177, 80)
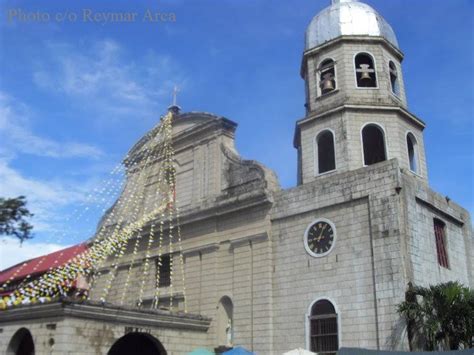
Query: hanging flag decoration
point(132, 235)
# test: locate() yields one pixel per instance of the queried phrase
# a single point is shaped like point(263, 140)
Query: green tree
point(13, 214)
point(439, 316)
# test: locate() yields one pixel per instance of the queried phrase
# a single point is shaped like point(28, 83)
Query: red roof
point(41, 264)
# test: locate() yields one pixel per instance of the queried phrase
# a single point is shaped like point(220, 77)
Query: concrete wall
point(225, 230)
point(88, 337)
point(363, 275)
point(423, 205)
point(383, 215)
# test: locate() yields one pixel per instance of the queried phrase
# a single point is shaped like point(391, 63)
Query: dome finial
point(339, 1)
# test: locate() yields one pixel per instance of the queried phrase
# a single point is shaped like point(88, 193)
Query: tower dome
point(347, 18)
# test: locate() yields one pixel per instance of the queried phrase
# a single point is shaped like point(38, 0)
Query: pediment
point(187, 124)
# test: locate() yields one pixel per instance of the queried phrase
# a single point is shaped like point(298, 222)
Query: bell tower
point(356, 108)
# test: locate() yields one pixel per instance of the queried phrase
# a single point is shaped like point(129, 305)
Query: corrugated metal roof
point(38, 266)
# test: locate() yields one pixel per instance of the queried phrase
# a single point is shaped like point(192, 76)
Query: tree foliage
point(13, 214)
point(439, 317)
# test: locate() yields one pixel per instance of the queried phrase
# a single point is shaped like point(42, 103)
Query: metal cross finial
point(339, 1)
point(174, 108)
point(175, 95)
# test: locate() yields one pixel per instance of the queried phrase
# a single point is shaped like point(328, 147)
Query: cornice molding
point(206, 248)
point(104, 313)
point(255, 238)
point(439, 211)
point(402, 111)
point(364, 39)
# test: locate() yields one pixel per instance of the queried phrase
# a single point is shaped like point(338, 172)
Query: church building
point(320, 266)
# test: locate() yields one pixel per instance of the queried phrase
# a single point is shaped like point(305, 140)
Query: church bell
point(327, 84)
point(365, 72)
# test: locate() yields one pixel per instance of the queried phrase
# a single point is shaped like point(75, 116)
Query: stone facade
point(243, 236)
point(85, 329)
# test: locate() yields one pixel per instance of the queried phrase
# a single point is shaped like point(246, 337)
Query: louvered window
point(440, 235)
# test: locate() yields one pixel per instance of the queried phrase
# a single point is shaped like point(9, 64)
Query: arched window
point(324, 331)
point(21, 343)
point(373, 142)
point(326, 159)
point(412, 148)
point(327, 76)
point(225, 313)
point(394, 78)
point(365, 71)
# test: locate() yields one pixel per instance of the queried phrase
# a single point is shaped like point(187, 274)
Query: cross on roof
point(175, 95)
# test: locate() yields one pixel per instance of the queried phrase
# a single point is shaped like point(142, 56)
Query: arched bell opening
point(366, 76)
point(21, 343)
point(325, 152)
point(412, 149)
point(224, 323)
point(137, 344)
point(373, 143)
point(394, 81)
point(327, 76)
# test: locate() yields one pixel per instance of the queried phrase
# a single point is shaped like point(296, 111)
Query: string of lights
point(124, 222)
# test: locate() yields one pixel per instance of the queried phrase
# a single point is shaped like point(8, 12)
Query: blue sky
point(76, 95)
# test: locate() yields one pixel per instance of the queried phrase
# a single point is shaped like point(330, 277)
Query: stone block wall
point(423, 206)
point(74, 336)
point(347, 125)
point(363, 275)
point(343, 51)
point(229, 255)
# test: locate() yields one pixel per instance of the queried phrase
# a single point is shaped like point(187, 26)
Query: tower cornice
point(402, 111)
point(397, 53)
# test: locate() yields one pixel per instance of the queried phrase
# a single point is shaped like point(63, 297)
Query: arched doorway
point(21, 343)
point(137, 344)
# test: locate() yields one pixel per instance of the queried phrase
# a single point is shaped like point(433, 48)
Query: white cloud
point(53, 201)
point(11, 252)
point(15, 133)
point(101, 83)
point(46, 199)
point(103, 79)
